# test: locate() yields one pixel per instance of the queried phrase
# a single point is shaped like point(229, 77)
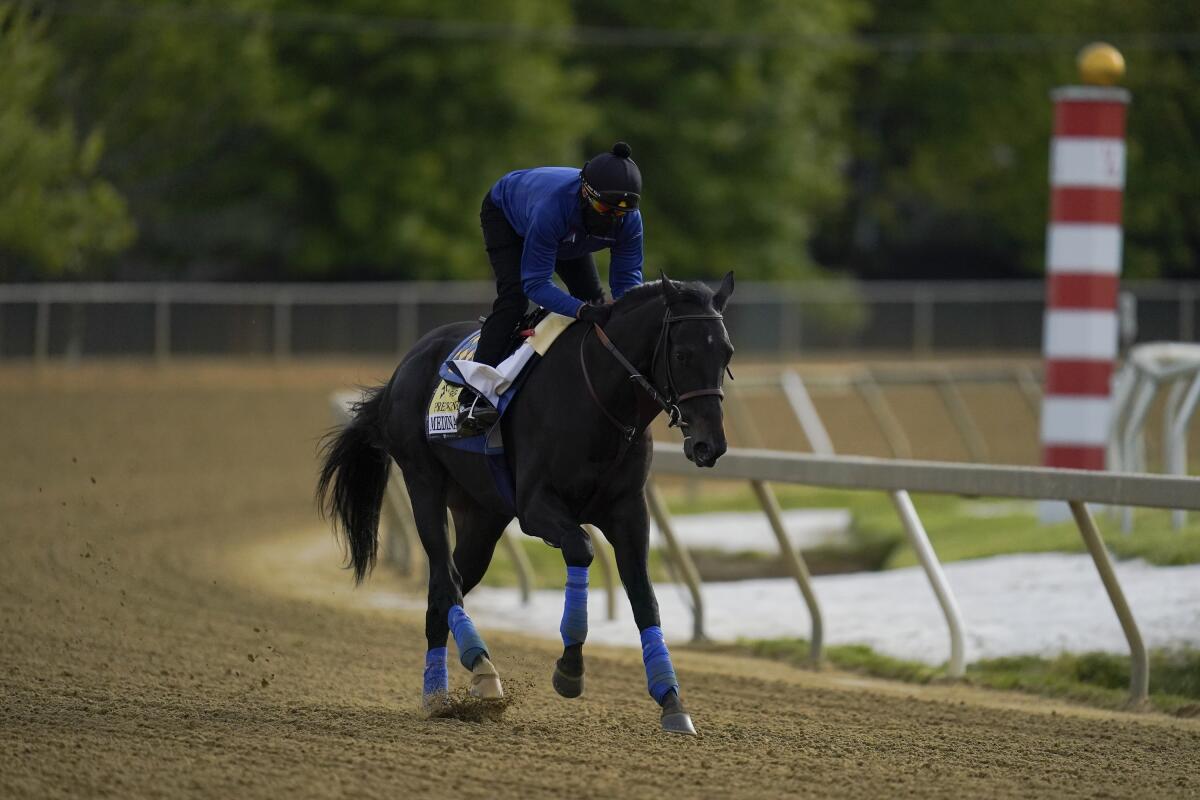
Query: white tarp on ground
point(1042, 604)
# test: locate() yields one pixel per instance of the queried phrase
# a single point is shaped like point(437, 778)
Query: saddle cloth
point(498, 384)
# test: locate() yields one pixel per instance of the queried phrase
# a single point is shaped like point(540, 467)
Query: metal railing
point(164, 320)
point(760, 468)
point(898, 478)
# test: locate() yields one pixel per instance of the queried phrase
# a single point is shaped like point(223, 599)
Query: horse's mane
point(689, 291)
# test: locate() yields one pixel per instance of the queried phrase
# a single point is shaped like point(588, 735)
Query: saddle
point(498, 384)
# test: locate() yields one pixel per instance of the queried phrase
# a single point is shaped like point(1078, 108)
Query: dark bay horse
point(577, 442)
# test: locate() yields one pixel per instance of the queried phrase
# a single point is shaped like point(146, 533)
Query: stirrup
point(476, 418)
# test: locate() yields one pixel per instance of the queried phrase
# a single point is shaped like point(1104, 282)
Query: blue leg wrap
point(470, 643)
point(660, 674)
point(436, 679)
point(574, 618)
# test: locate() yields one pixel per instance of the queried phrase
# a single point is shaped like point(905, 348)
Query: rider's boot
point(475, 414)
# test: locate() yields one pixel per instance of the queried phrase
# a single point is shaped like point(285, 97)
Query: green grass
point(1097, 679)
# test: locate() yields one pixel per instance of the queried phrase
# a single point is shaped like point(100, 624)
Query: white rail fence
point(761, 468)
point(1077, 488)
point(1147, 370)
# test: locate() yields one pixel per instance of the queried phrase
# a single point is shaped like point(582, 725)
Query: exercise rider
point(546, 220)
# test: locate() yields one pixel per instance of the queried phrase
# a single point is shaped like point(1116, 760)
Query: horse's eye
point(683, 356)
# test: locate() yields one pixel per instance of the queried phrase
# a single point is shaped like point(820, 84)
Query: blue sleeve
point(537, 264)
point(625, 268)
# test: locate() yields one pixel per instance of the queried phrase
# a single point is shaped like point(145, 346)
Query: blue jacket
point(542, 205)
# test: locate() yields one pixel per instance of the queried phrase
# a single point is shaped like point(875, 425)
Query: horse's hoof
point(485, 681)
point(679, 722)
point(567, 685)
point(435, 701)
point(675, 718)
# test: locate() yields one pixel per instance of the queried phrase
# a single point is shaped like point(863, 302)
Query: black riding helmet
point(613, 180)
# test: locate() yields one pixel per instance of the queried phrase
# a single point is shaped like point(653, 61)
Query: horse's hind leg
point(478, 531)
point(427, 489)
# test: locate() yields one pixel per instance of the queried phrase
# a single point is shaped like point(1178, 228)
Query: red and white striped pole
point(1083, 264)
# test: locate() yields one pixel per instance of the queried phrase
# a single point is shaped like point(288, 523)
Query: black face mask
point(595, 223)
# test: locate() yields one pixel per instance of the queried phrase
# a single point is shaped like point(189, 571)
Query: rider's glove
point(594, 314)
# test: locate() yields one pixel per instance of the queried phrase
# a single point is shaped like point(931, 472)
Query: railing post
point(806, 413)
point(1131, 457)
point(937, 578)
point(892, 430)
point(282, 348)
point(1031, 390)
point(397, 499)
point(739, 415)
point(796, 565)
point(608, 566)
point(1187, 315)
point(406, 325)
point(162, 327)
point(972, 439)
point(691, 577)
point(41, 332)
point(1179, 451)
point(922, 322)
point(516, 552)
point(1139, 674)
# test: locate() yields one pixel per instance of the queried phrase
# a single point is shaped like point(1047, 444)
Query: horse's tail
point(354, 474)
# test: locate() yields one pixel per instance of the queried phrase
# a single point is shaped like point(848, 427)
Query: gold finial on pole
point(1101, 64)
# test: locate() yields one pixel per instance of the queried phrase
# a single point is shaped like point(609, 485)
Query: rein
point(669, 403)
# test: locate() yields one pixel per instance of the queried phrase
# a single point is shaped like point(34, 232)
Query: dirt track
point(174, 624)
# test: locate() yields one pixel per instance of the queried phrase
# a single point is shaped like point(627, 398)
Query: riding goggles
point(616, 204)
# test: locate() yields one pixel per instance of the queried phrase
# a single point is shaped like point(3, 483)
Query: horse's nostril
point(701, 451)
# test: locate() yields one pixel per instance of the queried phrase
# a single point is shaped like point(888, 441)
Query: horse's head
point(691, 359)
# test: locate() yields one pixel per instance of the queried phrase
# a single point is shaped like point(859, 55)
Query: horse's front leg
point(629, 533)
point(568, 672)
point(550, 520)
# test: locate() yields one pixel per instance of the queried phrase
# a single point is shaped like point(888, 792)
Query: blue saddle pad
point(440, 426)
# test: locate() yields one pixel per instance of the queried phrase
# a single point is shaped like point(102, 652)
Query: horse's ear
point(668, 289)
point(722, 295)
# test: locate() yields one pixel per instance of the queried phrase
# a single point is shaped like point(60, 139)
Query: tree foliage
point(54, 211)
point(951, 143)
point(393, 141)
point(261, 139)
point(739, 146)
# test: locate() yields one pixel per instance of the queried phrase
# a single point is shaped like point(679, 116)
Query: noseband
point(670, 402)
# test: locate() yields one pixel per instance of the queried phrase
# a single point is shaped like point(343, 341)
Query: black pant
point(504, 247)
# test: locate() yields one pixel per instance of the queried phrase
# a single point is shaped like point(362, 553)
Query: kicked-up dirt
point(174, 623)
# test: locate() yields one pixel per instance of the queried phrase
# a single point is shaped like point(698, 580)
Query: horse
point(577, 443)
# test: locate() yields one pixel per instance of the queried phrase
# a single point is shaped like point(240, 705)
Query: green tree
point(182, 93)
point(952, 136)
point(395, 139)
point(55, 213)
point(739, 142)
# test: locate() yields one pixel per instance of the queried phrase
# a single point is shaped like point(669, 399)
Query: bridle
point(668, 403)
